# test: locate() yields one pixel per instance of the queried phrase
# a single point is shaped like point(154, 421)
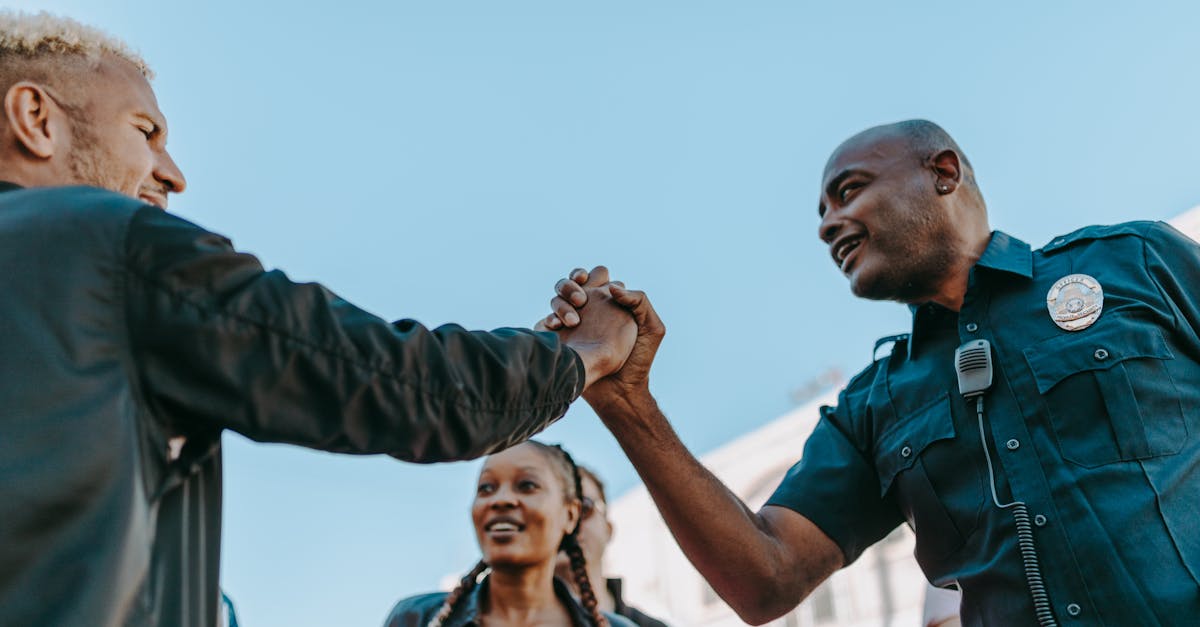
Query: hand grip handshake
point(614, 330)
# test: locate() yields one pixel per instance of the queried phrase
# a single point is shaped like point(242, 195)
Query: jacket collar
point(1004, 253)
point(467, 614)
point(615, 585)
point(5, 186)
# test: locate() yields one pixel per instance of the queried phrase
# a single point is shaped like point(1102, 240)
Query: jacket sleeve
point(220, 343)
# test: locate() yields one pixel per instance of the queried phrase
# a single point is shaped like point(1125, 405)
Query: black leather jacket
point(417, 611)
point(125, 330)
point(636, 616)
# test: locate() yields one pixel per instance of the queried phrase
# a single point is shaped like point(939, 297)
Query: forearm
point(733, 548)
point(370, 387)
point(479, 392)
point(220, 343)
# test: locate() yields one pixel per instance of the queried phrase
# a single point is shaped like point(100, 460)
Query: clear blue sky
point(448, 161)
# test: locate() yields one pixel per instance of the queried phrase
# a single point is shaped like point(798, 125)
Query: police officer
point(1065, 492)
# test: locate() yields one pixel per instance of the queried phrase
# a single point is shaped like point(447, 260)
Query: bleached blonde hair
point(36, 46)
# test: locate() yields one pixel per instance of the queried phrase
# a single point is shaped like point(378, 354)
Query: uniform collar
point(5, 186)
point(1004, 253)
point(467, 614)
point(1007, 254)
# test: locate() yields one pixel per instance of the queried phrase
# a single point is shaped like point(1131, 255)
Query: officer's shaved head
point(901, 213)
point(923, 140)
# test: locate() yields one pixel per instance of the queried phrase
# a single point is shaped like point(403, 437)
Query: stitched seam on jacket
point(285, 334)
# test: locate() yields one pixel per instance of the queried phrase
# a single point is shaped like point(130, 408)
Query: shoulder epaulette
point(1138, 228)
point(894, 340)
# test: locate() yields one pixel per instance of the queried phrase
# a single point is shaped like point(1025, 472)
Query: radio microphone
point(973, 362)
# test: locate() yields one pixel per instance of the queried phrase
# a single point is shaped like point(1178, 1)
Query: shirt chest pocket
point(1109, 394)
point(939, 494)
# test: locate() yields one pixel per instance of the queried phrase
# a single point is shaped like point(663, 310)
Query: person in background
point(595, 532)
point(527, 509)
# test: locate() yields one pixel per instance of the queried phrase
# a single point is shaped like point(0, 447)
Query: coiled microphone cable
point(1020, 513)
point(973, 363)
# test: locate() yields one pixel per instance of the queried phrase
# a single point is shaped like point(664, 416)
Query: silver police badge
point(1075, 302)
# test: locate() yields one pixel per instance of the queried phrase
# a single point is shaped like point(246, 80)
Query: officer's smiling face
point(881, 218)
point(521, 510)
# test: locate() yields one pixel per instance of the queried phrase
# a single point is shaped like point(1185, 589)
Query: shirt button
point(972, 327)
point(1100, 354)
point(1039, 520)
point(906, 452)
point(1074, 609)
point(1013, 444)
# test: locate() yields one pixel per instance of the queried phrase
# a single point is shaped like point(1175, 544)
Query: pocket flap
point(900, 447)
point(1099, 348)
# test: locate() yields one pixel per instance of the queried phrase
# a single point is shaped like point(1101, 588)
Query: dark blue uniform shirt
point(1094, 429)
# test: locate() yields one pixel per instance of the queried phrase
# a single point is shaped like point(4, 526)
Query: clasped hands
point(613, 329)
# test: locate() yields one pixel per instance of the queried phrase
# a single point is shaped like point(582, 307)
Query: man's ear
point(947, 171)
point(35, 119)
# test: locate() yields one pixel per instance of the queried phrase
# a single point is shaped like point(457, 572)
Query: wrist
point(594, 366)
point(613, 399)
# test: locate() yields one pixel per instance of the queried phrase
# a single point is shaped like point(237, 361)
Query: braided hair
point(464, 588)
point(570, 544)
point(573, 487)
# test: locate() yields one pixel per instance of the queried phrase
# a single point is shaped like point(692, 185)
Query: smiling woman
point(527, 508)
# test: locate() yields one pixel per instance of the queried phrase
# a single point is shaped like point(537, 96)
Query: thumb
point(638, 305)
point(624, 297)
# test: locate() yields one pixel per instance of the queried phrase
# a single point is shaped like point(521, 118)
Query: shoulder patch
point(866, 374)
point(1137, 228)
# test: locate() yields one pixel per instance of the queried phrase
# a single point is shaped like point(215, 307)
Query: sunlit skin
point(521, 513)
point(127, 148)
point(106, 131)
point(899, 226)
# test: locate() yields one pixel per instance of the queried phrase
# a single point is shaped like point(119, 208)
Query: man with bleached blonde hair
point(130, 339)
point(59, 79)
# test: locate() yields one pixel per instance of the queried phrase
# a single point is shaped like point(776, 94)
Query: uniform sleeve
point(836, 488)
point(220, 343)
point(1173, 260)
